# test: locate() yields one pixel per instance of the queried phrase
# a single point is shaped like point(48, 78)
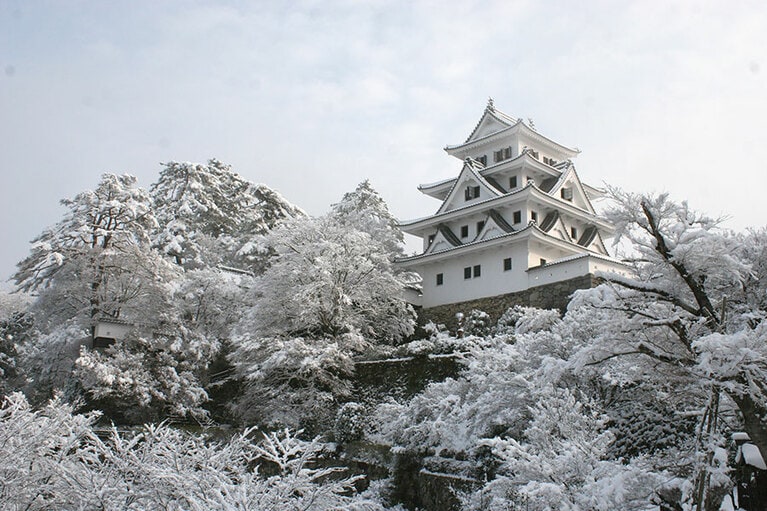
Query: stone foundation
point(549, 296)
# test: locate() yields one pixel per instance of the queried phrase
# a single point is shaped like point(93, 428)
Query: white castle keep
point(516, 217)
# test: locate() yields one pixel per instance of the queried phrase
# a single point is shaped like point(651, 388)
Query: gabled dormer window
point(567, 193)
point(503, 154)
point(471, 192)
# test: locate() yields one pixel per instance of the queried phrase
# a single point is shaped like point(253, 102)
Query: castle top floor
point(498, 137)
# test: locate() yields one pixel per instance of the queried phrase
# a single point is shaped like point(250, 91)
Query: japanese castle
point(516, 217)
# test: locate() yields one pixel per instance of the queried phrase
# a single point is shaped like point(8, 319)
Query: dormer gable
point(592, 240)
point(553, 225)
point(570, 189)
point(495, 225)
point(468, 188)
point(444, 239)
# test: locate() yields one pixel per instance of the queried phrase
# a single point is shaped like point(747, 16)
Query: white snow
point(751, 456)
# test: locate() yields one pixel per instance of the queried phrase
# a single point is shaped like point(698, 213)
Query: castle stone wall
point(549, 296)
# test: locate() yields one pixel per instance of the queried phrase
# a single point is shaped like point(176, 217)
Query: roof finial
point(490, 104)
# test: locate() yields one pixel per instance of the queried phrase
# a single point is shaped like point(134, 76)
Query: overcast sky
point(311, 98)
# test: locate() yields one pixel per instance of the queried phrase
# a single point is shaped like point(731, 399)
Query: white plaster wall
point(112, 330)
point(551, 273)
point(493, 281)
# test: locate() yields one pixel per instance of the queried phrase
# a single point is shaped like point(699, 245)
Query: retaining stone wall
point(549, 296)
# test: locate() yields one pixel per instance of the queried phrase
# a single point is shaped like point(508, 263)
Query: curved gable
point(469, 187)
point(569, 187)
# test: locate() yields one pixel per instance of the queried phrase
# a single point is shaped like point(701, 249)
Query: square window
point(471, 192)
point(440, 279)
point(477, 270)
point(480, 226)
point(467, 272)
point(567, 193)
point(464, 231)
point(503, 154)
point(517, 217)
point(507, 264)
point(513, 182)
point(533, 216)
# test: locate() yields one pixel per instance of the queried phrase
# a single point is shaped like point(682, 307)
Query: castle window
point(567, 193)
point(477, 270)
point(549, 161)
point(534, 216)
point(503, 154)
point(480, 226)
point(574, 233)
point(471, 192)
point(513, 182)
point(543, 261)
point(467, 272)
point(517, 217)
point(507, 264)
point(464, 231)
point(440, 279)
point(482, 159)
point(431, 239)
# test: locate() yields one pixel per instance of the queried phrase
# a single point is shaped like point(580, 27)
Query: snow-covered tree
point(329, 294)
point(208, 215)
point(691, 314)
point(95, 264)
point(54, 459)
point(91, 258)
point(365, 210)
point(328, 279)
point(16, 328)
point(559, 463)
point(148, 377)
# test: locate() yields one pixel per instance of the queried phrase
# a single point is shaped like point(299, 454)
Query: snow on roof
point(740, 436)
point(751, 456)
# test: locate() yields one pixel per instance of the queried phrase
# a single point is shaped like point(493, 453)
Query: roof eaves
point(470, 244)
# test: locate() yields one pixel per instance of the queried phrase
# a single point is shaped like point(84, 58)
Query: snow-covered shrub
point(453, 414)
point(295, 382)
point(142, 379)
point(478, 323)
point(560, 463)
point(351, 421)
point(521, 319)
point(53, 459)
